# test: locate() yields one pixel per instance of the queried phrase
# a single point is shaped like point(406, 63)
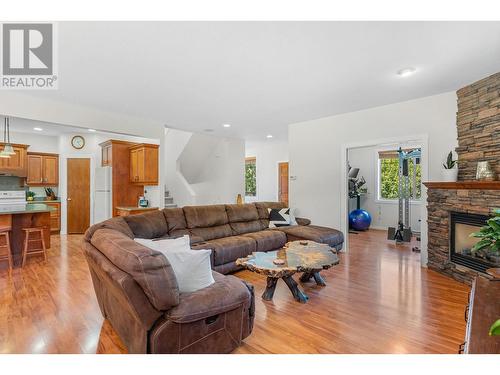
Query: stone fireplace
point(460, 206)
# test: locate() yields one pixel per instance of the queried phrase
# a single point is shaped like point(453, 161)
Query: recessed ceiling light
point(38, 129)
point(91, 130)
point(227, 125)
point(269, 136)
point(406, 72)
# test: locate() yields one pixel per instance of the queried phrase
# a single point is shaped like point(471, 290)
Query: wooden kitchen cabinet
point(16, 165)
point(43, 169)
point(144, 164)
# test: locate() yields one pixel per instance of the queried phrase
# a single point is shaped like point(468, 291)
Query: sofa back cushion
point(208, 222)
point(149, 268)
point(176, 222)
point(148, 225)
point(262, 209)
point(243, 218)
point(117, 223)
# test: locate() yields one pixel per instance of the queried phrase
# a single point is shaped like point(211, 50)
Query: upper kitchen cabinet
point(144, 164)
point(43, 169)
point(16, 164)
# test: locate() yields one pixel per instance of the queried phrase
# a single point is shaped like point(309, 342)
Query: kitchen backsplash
point(15, 183)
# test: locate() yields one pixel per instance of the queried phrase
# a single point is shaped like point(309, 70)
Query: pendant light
point(7, 150)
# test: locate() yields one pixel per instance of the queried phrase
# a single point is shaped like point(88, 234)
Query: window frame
point(379, 199)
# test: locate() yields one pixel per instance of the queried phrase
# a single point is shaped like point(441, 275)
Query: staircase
point(169, 201)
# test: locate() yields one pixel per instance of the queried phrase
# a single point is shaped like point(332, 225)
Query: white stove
point(12, 197)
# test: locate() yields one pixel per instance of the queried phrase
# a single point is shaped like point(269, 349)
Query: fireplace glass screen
point(462, 225)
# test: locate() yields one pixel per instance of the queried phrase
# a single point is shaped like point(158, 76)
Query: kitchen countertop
point(28, 208)
point(44, 201)
point(127, 208)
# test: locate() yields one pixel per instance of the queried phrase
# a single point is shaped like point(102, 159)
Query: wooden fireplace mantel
point(464, 185)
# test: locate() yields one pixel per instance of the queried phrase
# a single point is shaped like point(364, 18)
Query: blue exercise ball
point(359, 220)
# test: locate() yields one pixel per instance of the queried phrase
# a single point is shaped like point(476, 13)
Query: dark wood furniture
point(35, 215)
point(34, 243)
point(116, 154)
point(483, 310)
point(144, 164)
point(308, 257)
point(43, 169)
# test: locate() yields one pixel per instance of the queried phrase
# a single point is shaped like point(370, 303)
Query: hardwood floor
point(378, 300)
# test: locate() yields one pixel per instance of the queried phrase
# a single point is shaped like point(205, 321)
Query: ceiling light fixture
point(38, 129)
point(8, 150)
point(227, 125)
point(269, 136)
point(406, 72)
point(92, 130)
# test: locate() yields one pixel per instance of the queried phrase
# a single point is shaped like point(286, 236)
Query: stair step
point(169, 200)
point(171, 205)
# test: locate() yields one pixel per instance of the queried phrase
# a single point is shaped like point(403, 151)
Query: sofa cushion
point(229, 249)
point(315, 233)
point(117, 223)
point(226, 294)
point(268, 240)
point(175, 219)
point(149, 268)
point(241, 212)
point(148, 225)
point(212, 233)
point(243, 218)
point(205, 216)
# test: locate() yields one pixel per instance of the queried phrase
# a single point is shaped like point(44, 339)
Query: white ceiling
point(262, 76)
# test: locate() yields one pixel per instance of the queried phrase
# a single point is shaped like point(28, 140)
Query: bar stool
point(5, 250)
point(27, 240)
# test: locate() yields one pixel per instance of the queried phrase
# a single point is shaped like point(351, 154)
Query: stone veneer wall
point(478, 123)
point(440, 203)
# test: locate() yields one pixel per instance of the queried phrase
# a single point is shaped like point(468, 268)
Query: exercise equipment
point(407, 186)
point(358, 219)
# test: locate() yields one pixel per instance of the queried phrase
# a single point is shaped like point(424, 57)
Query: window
point(388, 176)
point(250, 177)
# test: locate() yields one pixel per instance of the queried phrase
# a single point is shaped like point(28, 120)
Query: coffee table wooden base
point(298, 294)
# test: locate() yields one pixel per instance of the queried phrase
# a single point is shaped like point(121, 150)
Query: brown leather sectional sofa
point(137, 290)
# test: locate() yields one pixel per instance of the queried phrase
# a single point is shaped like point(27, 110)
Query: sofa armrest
point(226, 294)
point(302, 221)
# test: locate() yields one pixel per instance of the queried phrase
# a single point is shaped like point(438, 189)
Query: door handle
point(68, 199)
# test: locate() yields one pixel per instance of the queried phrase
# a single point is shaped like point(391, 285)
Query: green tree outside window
point(250, 177)
point(389, 178)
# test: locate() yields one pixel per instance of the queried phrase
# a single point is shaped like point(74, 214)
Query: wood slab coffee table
point(308, 257)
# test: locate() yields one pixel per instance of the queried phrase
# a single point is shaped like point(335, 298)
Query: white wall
point(383, 213)
point(37, 142)
point(316, 158)
point(268, 154)
point(219, 175)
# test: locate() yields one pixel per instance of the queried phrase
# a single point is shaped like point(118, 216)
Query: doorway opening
point(375, 182)
point(283, 182)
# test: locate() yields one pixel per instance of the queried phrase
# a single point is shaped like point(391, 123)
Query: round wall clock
point(78, 142)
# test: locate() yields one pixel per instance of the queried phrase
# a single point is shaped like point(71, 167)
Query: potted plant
point(489, 243)
point(450, 171)
point(30, 195)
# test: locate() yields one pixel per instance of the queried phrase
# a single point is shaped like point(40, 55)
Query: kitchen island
point(19, 216)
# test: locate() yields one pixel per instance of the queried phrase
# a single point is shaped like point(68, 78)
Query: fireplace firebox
point(461, 226)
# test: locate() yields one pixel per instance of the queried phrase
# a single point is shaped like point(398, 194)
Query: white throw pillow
point(191, 267)
point(281, 217)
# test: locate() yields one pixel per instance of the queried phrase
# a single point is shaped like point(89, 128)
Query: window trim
point(378, 198)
